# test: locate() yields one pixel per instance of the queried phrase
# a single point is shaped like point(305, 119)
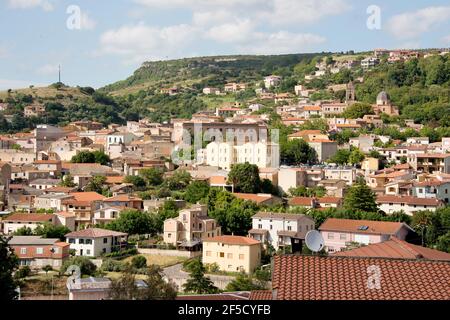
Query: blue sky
point(115, 37)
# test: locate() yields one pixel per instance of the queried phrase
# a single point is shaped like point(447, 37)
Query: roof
point(302, 201)
point(261, 295)
point(29, 217)
point(347, 278)
point(95, 233)
point(281, 216)
point(87, 196)
point(335, 200)
point(433, 155)
point(233, 240)
point(32, 240)
point(258, 198)
point(114, 179)
point(409, 200)
point(396, 248)
point(434, 182)
point(65, 214)
point(354, 226)
point(312, 108)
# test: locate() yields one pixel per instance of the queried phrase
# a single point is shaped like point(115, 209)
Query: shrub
point(111, 265)
point(139, 262)
point(23, 272)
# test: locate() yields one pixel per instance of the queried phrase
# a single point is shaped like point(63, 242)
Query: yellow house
point(232, 253)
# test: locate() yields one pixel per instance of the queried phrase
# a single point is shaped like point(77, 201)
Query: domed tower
point(383, 99)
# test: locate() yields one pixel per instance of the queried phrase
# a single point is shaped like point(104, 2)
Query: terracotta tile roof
point(335, 200)
point(60, 189)
point(348, 125)
point(47, 162)
point(221, 180)
point(396, 248)
point(87, 196)
point(347, 278)
point(65, 214)
point(114, 179)
point(95, 233)
point(261, 295)
point(434, 182)
point(312, 108)
point(322, 140)
point(302, 201)
point(258, 198)
point(29, 217)
point(349, 225)
point(237, 240)
point(410, 200)
point(433, 155)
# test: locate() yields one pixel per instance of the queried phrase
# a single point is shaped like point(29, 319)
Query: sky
point(98, 42)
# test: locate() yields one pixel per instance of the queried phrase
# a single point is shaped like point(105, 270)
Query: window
point(39, 250)
point(105, 240)
point(241, 257)
point(259, 226)
point(55, 250)
point(88, 241)
point(222, 254)
point(81, 241)
point(208, 253)
point(71, 240)
point(23, 250)
point(169, 235)
point(88, 252)
point(289, 228)
point(271, 227)
point(331, 235)
point(343, 236)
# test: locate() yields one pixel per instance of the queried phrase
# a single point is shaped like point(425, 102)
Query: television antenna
point(314, 241)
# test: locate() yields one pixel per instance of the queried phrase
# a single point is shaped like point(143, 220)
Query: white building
point(95, 242)
point(408, 204)
point(280, 229)
point(272, 81)
point(225, 154)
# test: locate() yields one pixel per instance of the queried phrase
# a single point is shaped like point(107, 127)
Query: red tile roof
point(244, 295)
point(258, 198)
point(238, 240)
point(349, 225)
point(348, 278)
point(29, 217)
point(396, 248)
point(95, 233)
point(302, 201)
point(409, 200)
point(261, 295)
point(335, 200)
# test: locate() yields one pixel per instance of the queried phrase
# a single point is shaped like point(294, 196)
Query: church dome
point(383, 98)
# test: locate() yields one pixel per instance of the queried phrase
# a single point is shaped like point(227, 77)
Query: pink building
point(339, 234)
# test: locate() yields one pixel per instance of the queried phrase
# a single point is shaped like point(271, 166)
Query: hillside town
point(220, 203)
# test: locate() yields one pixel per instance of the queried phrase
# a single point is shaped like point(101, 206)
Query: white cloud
point(233, 32)
point(46, 5)
point(137, 43)
point(195, 4)
point(48, 70)
point(281, 42)
point(413, 24)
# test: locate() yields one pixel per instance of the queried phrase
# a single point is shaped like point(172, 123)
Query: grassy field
point(160, 260)
point(45, 92)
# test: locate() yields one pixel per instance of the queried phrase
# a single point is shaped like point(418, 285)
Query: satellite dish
point(314, 241)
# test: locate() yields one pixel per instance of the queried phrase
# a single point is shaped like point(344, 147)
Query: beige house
point(190, 227)
point(232, 253)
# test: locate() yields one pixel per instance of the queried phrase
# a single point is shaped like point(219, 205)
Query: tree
point(137, 181)
point(244, 282)
point(197, 282)
point(83, 157)
point(196, 191)
point(357, 110)
point(96, 184)
point(24, 231)
point(67, 181)
point(356, 156)
point(178, 181)
point(101, 157)
point(245, 178)
point(8, 264)
point(443, 243)
point(139, 262)
point(341, 157)
point(132, 221)
point(48, 230)
point(360, 198)
point(87, 267)
point(296, 152)
point(47, 268)
point(126, 288)
point(153, 176)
